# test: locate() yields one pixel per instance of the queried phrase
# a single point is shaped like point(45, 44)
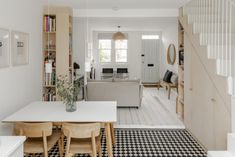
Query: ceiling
point(119, 4)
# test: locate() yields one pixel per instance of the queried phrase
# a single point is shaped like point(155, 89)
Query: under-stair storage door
point(150, 60)
point(202, 118)
point(187, 84)
point(221, 121)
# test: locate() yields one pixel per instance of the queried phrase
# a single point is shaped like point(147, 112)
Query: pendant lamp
point(119, 35)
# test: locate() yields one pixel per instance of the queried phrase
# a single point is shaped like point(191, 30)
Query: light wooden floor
point(156, 111)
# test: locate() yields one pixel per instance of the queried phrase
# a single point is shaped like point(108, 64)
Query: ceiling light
point(119, 35)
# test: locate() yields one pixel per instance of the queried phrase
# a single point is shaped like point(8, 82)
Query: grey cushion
point(174, 79)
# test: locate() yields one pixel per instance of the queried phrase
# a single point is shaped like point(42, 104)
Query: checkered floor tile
point(150, 143)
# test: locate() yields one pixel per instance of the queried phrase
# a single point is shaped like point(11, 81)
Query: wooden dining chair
point(82, 138)
point(40, 137)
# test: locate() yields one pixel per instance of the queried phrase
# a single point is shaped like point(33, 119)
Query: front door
point(150, 60)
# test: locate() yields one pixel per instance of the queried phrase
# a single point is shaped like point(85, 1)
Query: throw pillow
point(167, 76)
point(174, 79)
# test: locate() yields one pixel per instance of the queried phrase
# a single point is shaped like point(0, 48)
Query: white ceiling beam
point(125, 13)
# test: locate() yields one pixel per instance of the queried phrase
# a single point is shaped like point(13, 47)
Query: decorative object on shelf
point(171, 54)
point(68, 91)
point(20, 45)
point(76, 67)
point(119, 35)
point(4, 47)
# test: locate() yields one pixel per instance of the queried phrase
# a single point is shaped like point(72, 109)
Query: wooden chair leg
point(169, 92)
point(100, 150)
point(45, 145)
point(67, 154)
point(99, 147)
point(93, 141)
point(62, 143)
point(60, 147)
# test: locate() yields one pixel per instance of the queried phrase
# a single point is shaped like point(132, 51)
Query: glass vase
point(71, 107)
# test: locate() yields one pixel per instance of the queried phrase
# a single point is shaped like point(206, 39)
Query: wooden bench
point(168, 86)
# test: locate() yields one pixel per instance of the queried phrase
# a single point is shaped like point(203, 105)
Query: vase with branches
point(68, 91)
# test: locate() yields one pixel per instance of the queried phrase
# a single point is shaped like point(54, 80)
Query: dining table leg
point(109, 139)
point(113, 134)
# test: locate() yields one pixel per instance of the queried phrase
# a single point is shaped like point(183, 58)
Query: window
point(105, 49)
point(121, 51)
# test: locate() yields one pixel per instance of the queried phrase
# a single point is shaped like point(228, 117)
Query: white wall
point(21, 85)
point(134, 54)
point(169, 36)
point(84, 28)
point(79, 42)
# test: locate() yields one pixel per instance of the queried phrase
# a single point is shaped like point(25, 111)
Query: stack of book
point(49, 96)
point(50, 79)
point(49, 23)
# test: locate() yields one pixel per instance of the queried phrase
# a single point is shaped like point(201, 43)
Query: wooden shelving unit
point(57, 48)
point(180, 98)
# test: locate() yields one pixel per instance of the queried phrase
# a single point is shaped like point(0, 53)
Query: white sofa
point(127, 93)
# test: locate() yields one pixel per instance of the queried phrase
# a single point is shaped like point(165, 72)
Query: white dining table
point(87, 111)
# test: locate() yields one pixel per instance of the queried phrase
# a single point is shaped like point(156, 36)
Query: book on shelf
point(70, 42)
point(50, 79)
point(49, 96)
point(49, 23)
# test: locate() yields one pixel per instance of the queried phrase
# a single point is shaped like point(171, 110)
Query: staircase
point(214, 22)
point(212, 25)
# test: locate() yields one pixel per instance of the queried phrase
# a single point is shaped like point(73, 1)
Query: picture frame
point(19, 48)
point(4, 48)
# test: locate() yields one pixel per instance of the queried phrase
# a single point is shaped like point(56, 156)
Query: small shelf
point(49, 32)
point(50, 50)
point(49, 86)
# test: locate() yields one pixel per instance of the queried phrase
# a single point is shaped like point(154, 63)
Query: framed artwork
point(20, 48)
point(4, 48)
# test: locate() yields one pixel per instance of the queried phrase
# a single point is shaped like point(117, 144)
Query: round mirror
point(171, 54)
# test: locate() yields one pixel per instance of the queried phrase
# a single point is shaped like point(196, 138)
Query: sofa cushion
point(127, 94)
point(125, 80)
point(167, 76)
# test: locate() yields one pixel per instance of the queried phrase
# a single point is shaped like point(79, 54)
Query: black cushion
point(107, 70)
point(167, 76)
point(122, 70)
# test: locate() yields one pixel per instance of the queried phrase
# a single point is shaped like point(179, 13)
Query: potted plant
point(68, 91)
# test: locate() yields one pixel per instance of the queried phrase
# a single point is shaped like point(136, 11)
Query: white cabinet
point(202, 108)
point(12, 146)
point(222, 121)
point(206, 114)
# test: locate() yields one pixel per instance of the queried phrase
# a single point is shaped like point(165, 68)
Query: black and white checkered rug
point(150, 143)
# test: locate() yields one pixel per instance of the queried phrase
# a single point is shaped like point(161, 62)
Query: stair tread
point(219, 154)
